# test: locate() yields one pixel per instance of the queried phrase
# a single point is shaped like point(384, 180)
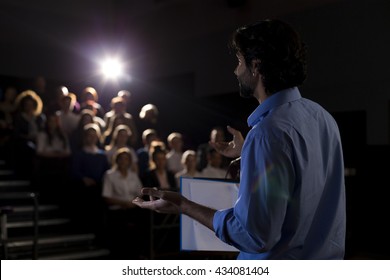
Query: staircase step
point(78, 255)
point(28, 241)
point(46, 222)
point(12, 185)
point(30, 208)
point(15, 183)
point(6, 172)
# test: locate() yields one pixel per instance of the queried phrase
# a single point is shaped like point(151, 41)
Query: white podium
point(215, 193)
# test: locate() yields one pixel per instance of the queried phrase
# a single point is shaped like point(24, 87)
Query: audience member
point(67, 118)
point(217, 134)
point(158, 175)
point(126, 96)
point(175, 144)
point(214, 168)
point(120, 139)
point(118, 108)
point(54, 103)
point(89, 100)
point(149, 118)
point(127, 227)
point(28, 121)
point(76, 137)
point(53, 160)
point(188, 161)
point(88, 167)
point(114, 122)
point(148, 136)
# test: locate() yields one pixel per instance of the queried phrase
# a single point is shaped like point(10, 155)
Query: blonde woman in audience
point(188, 160)
point(28, 121)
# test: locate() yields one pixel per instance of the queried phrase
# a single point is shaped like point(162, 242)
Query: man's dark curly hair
point(279, 49)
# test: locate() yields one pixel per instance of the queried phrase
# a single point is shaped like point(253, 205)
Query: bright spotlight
point(111, 68)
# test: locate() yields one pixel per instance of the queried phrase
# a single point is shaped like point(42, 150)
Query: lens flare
point(112, 68)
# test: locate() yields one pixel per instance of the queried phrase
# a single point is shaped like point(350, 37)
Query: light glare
point(111, 68)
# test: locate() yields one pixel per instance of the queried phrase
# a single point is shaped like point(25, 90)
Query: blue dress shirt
point(291, 201)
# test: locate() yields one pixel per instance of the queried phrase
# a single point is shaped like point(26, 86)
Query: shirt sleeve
point(255, 222)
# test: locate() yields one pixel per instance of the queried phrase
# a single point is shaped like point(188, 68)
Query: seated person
point(188, 160)
point(175, 143)
point(126, 223)
point(158, 175)
point(214, 168)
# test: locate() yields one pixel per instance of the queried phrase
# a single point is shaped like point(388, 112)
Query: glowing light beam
point(112, 68)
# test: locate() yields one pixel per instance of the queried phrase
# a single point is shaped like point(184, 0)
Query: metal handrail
point(5, 210)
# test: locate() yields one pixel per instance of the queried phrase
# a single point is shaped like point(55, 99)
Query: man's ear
point(255, 65)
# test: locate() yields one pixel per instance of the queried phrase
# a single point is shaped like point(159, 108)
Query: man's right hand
point(161, 201)
point(230, 149)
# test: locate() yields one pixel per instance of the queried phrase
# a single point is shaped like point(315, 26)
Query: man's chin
point(246, 94)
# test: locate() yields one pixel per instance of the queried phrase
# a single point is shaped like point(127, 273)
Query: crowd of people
point(94, 160)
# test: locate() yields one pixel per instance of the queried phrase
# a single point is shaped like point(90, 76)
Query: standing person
point(291, 200)
point(175, 144)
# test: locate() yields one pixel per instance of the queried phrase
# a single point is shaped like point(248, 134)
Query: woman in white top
point(121, 184)
point(127, 227)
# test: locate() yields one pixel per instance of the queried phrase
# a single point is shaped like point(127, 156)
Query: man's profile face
point(244, 77)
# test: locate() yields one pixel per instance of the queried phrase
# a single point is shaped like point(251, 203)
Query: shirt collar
point(275, 100)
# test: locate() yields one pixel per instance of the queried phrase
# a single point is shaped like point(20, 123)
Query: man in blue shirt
point(291, 201)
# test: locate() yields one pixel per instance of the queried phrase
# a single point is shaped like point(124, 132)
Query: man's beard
point(246, 89)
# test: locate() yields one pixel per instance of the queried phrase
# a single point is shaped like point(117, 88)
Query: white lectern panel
point(214, 193)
